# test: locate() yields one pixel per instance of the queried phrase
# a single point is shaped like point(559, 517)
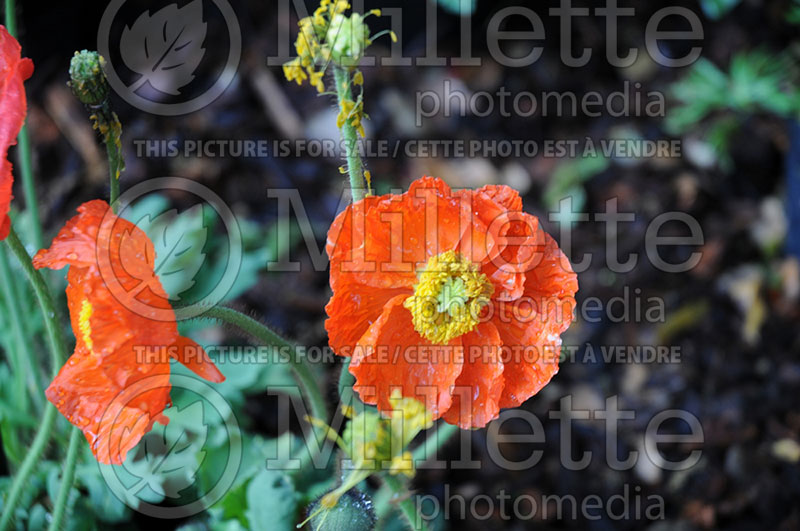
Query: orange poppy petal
point(117, 344)
point(353, 260)
point(476, 398)
point(83, 391)
point(497, 208)
point(391, 355)
point(195, 358)
point(351, 310)
point(381, 240)
point(76, 242)
point(530, 351)
point(13, 105)
point(551, 274)
point(503, 195)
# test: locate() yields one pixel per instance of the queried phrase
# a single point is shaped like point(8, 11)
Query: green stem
point(113, 194)
point(11, 18)
point(394, 487)
point(434, 441)
point(341, 77)
point(67, 479)
point(21, 355)
point(24, 149)
point(305, 379)
point(29, 185)
point(58, 353)
point(406, 505)
point(55, 335)
point(28, 464)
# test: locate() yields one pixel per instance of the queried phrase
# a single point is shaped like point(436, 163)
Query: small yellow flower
point(316, 80)
point(402, 464)
point(345, 110)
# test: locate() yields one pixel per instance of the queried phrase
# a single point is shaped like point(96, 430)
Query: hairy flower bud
point(87, 78)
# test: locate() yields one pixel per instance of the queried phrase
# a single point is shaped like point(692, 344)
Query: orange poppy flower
point(116, 383)
point(457, 299)
point(13, 71)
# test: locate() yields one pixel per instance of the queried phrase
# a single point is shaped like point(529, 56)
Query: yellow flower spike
point(393, 35)
point(358, 78)
point(376, 12)
point(368, 178)
point(343, 170)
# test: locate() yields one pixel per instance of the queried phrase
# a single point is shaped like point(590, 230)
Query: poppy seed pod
point(353, 511)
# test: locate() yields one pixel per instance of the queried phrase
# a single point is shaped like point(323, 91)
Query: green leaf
point(102, 502)
point(37, 518)
point(271, 502)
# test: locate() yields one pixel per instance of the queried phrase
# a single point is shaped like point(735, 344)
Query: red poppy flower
point(116, 383)
point(457, 299)
point(13, 71)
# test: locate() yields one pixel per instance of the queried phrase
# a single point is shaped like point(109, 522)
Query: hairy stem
point(67, 479)
point(305, 379)
point(341, 77)
point(113, 194)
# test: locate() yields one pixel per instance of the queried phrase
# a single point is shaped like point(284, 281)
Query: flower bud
point(88, 81)
point(348, 38)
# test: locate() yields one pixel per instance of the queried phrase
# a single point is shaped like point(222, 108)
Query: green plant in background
point(756, 82)
point(793, 15)
point(567, 182)
point(716, 9)
point(459, 7)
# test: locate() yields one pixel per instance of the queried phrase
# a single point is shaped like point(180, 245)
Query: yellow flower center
point(84, 323)
point(448, 297)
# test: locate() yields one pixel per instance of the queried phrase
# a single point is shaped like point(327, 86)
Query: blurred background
point(733, 318)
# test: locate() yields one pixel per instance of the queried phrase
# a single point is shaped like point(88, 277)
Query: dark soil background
point(743, 390)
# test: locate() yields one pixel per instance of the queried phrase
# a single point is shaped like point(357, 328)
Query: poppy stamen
point(448, 297)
